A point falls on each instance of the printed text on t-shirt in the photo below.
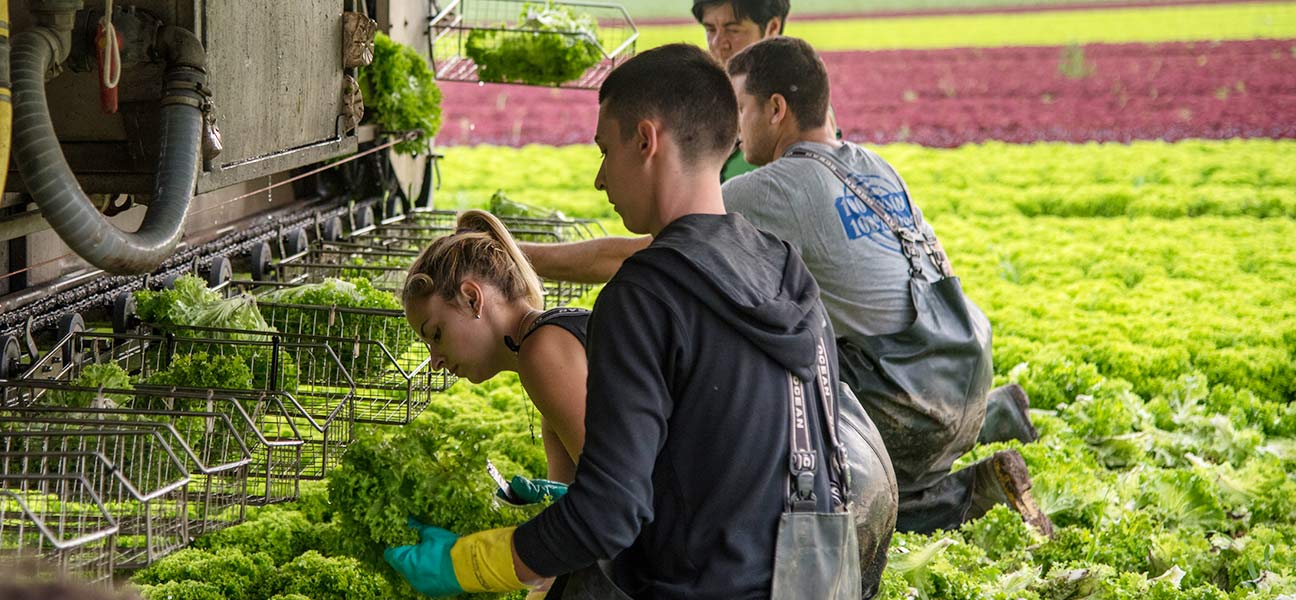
(860, 221)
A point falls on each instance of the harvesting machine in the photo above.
(145, 140)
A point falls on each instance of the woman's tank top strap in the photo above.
(574, 320)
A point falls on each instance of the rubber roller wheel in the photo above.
(10, 357)
(67, 325)
(124, 317)
(169, 281)
(295, 242)
(331, 230)
(260, 259)
(364, 216)
(220, 272)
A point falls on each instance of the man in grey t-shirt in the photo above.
(863, 277)
(864, 281)
(841, 206)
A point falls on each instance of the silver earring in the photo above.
(478, 316)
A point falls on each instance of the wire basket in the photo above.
(496, 32)
(385, 243)
(392, 370)
(389, 365)
(261, 421)
(147, 504)
(417, 229)
(217, 490)
(386, 269)
(303, 393)
(75, 534)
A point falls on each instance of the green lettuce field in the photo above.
(1142, 293)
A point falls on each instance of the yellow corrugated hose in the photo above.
(6, 95)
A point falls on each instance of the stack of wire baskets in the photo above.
(97, 479)
(108, 485)
(293, 429)
(50, 511)
(382, 253)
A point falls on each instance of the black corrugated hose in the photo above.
(54, 187)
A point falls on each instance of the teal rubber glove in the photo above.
(427, 566)
(445, 564)
(532, 491)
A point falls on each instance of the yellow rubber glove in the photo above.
(445, 564)
(483, 561)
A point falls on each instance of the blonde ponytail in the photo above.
(481, 247)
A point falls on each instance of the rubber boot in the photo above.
(1007, 416)
(1003, 479)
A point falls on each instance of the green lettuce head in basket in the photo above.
(550, 45)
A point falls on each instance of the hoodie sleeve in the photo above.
(633, 344)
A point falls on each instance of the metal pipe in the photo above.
(55, 20)
(181, 48)
(55, 189)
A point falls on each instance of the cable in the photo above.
(109, 52)
(409, 135)
(36, 265)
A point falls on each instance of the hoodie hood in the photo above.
(755, 281)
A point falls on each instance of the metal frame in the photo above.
(147, 504)
(562, 229)
(80, 541)
(317, 406)
(391, 372)
(394, 246)
(377, 346)
(217, 490)
(267, 430)
(328, 260)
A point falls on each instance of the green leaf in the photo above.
(549, 45)
(401, 94)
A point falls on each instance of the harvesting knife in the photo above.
(505, 491)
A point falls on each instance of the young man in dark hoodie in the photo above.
(684, 475)
(865, 286)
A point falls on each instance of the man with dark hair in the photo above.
(698, 348)
(915, 351)
(732, 25)
(697, 117)
(863, 273)
(779, 76)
